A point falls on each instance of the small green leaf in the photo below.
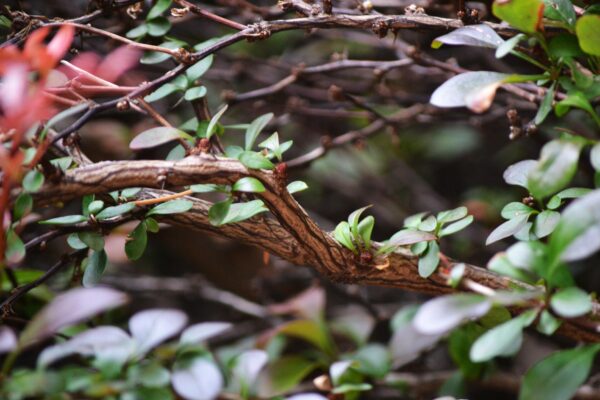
(525, 15)
(160, 7)
(255, 160)
(152, 225)
(255, 128)
(578, 100)
(239, 212)
(456, 226)
(558, 376)
(309, 331)
(296, 186)
(15, 248)
(430, 260)
(204, 188)
(95, 206)
(515, 209)
(195, 93)
(571, 302)
(199, 68)
(556, 167)
(560, 10)
(158, 26)
(62, 163)
(507, 229)
(588, 33)
(218, 212)
(365, 229)
(75, 243)
(414, 220)
(474, 90)
(456, 275)
(518, 173)
(93, 240)
(66, 220)
(451, 215)
(115, 211)
(137, 32)
(156, 136)
(545, 106)
(33, 181)
(428, 224)
(545, 223)
(353, 219)
(23, 205)
(155, 57)
(176, 206)
(210, 130)
(509, 45)
(342, 234)
(470, 35)
(547, 323)
(137, 241)
(161, 92)
(130, 192)
(502, 340)
(248, 184)
(95, 268)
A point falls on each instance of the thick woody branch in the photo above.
(293, 235)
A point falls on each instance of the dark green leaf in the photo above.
(93, 240)
(33, 181)
(545, 106)
(161, 92)
(158, 26)
(151, 225)
(560, 10)
(255, 128)
(137, 241)
(195, 93)
(160, 7)
(218, 212)
(75, 243)
(115, 211)
(558, 376)
(95, 268)
(137, 32)
(248, 184)
(15, 248)
(66, 220)
(430, 260)
(157, 136)
(200, 68)
(255, 160)
(284, 375)
(176, 206)
(23, 205)
(210, 130)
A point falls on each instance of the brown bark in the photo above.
(292, 234)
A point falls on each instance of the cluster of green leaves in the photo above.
(227, 211)
(421, 231)
(95, 212)
(155, 24)
(570, 63)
